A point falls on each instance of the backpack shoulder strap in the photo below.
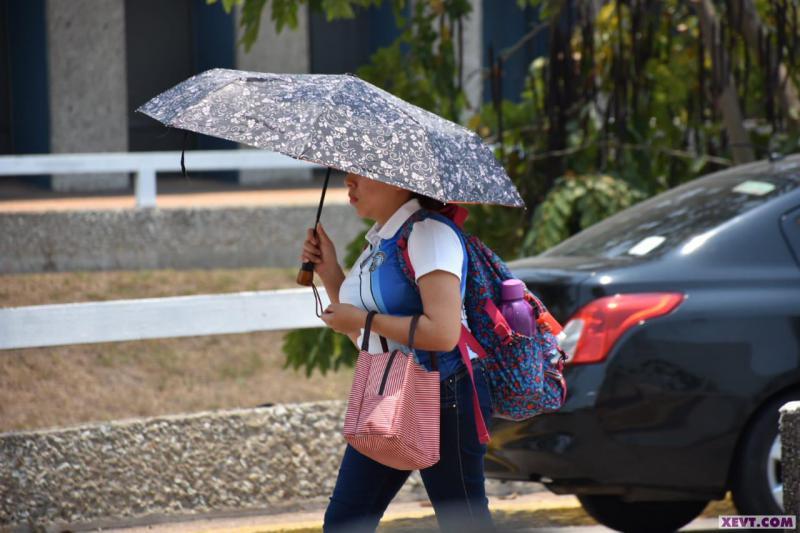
(466, 338)
(402, 245)
(405, 233)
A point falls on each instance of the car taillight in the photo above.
(592, 331)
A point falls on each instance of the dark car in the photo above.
(682, 316)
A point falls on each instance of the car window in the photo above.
(790, 225)
(680, 216)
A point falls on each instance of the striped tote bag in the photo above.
(393, 409)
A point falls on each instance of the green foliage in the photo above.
(574, 204)
(356, 246)
(622, 107)
(421, 66)
(283, 13)
(318, 348)
(644, 114)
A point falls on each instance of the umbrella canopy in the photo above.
(340, 121)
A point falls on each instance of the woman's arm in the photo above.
(439, 327)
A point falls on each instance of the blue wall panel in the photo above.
(27, 65)
(504, 24)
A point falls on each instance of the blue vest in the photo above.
(394, 295)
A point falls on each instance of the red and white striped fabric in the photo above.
(393, 410)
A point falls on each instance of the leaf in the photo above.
(698, 164)
(337, 9)
(356, 246)
(251, 21)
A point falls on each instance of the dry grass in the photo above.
(66, 287)
(61, 386)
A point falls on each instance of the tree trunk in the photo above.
(751, 22)
(727, 101)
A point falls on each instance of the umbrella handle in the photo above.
(305, 276)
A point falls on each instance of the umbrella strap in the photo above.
(183, 151)
(317, 301)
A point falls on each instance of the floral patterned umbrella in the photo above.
(340, 121)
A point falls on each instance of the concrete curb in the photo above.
(232, 459)
(259, 461)
(180, 238)
(789, 423)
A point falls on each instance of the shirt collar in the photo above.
(390, 227)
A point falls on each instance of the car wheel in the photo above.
(632, 517)
(757, 480)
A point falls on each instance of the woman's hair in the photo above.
(427, 202)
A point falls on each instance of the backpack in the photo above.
(522, 379)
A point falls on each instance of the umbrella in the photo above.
(343, 122)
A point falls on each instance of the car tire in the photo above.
(752, 483)
(633, 517)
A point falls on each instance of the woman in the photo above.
(455, 485)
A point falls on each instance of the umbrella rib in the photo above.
(194, 103)
(422, 127)
(311, 129)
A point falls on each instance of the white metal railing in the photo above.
(152, 318)
(146, 165)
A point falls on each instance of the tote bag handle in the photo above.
(367, 328)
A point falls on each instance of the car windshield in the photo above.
(665, 221)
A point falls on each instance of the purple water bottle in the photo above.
(516, 310)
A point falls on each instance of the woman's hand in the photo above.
(321, 251)
(344, 318)
(439, 326)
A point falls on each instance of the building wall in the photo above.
(166, 43)
(287, 51)
(504, 24)
(102, 59)
(24, 119)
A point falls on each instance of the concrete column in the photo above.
(473, 57)
(290, 52)
(472, 81)
(87, 84)
(789, 424)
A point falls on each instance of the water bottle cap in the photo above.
(512, 289)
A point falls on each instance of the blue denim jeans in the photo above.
(455, 485)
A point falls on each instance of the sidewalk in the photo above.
(539, 512)
(312, 520)
(167, 201)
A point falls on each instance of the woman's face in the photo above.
(373, 199)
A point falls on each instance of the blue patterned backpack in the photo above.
(523, 380)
